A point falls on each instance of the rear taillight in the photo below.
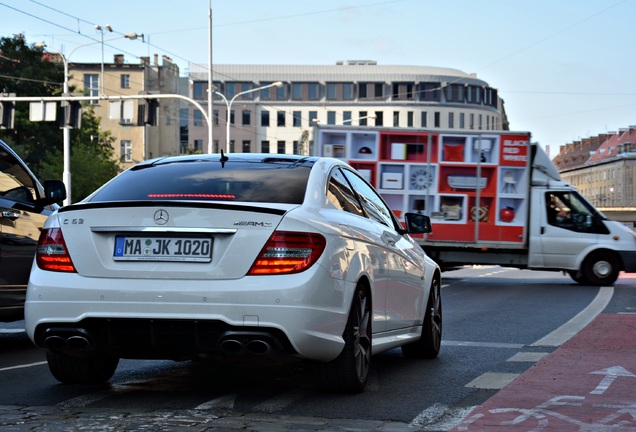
(52, 254)
(288, 252)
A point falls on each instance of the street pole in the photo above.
(210, 82)
(229, 106)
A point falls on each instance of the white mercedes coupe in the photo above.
(233, 255)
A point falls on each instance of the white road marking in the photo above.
(492, 380)
(527, 357)
(582, 319)
(22, 366)
(281, 401)
(440, 417)
(222, 402)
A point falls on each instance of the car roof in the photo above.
(242, 157)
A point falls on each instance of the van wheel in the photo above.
(600, 268)
(348, 373)
(577, 276)
(430, 342)
(96, 369)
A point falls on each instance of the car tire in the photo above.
(349, 372)
(600, 268)
(429, 344)
(96, 369)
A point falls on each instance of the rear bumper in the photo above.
(300, 316)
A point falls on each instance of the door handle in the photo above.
(10, 214)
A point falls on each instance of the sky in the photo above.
(564, 68)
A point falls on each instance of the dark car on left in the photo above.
(25, 204)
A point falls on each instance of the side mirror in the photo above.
(417, 223)
(54, 192)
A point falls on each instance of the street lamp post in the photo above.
(66, 131)
(229, 103)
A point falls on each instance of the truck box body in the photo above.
(492, 196)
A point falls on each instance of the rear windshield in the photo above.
(269, 180)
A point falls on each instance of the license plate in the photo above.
(183, 249)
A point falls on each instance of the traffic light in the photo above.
(7, 112)
(71, 114)
(147, 112)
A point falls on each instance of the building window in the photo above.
(403, 91)
(198, 145)
(451, 120)
(331, 117)
(362, 118)
(297, 91)
(396, 118)
(454, 93)
(266, 93)
(215, 117)
(198, 90)
(231, 150)
(247, 146)
(346, 117)
(280, 118)
(297, 119)
(198, 118)
(281, 147)
(379, 118)
(264, 146)
(232, 121)
(230, 90)
(409, 119)
(437, 120)
(462, 122)
(429, 92)
(126, 151)
(472, 121)
(332, 91)
(313, 118)
(424, 119)
(91, 87)
(125, 81)
(183, 125)
(246, 117)
(347, 91)
(265, 118)
(295, 147)
(216, 146)
(314, 91)
(281, 92)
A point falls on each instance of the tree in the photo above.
(27, 70)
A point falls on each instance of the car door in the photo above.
(568, 226)
(404, 292)
(21, 219)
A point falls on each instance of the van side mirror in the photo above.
(417, 223)
(54, 192)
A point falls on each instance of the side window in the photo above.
(15, 183)
(339, 193)
(372, 203)
(569, 211)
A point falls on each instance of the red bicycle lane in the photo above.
(587, 384)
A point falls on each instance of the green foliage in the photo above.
(27, 70)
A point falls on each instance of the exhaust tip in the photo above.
(231, 346)
(54, 343)
(257, 346)
(77, 342)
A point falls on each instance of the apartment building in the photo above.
(280, 119)
(133, 143)
(603, 168)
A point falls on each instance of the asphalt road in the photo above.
(493, 319)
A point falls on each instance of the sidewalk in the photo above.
(588, 384)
